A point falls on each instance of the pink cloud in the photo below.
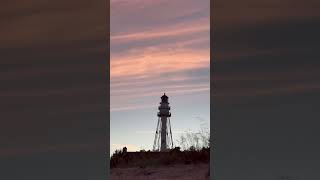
(138, 68)
(180, 30)
(159, 61)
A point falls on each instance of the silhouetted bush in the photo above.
(146, 158)
(195, 140)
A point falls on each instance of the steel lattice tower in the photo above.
(163, 137)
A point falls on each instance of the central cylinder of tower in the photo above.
(163, 134)
(164, 114)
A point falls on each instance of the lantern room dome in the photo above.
(164, 98)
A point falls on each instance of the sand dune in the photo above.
(177, 171)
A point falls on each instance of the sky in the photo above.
(54, 89)
(156, 47)
(54, 84)
(266, 89)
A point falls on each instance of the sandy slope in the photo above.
(179, 172)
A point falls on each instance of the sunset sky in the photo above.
(158, 46)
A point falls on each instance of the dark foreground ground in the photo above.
(198, 171)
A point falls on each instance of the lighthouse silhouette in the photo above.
(163, 136)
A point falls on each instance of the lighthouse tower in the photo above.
(163, 137)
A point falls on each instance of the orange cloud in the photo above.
(159, 61)
(137, 68)
(177, 31)
(169, 88)
(149, 67)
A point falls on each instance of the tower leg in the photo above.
(170, 133)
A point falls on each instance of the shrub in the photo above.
(195, 140)
(146, 158)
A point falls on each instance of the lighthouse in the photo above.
(163, 136)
